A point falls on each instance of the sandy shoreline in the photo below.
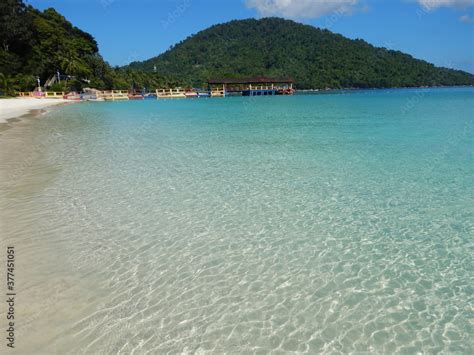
(11, 108)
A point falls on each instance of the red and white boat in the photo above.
(289, 91)
(73, 95)
(135, 95)
(191, 94)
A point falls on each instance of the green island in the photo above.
(38, 44)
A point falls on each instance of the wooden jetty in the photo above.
(170, 93)
(113, 95)
(53, 95)
(42, 94)
(256, 86)
(217, 90)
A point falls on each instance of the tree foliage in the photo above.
(314, 57)
(38, 44)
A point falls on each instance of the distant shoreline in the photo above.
(12, 108)
(389, 88)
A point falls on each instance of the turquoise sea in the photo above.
(340, 222)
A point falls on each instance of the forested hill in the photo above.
(37, 43)
(315, 58)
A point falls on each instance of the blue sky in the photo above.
(439, 31)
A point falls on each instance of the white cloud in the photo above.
(301, 8)
(466, 19)
(434, 4)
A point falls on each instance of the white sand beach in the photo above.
(10, 108)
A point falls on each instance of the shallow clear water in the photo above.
(312, 223)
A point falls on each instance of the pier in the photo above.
(113, 95)
(42, 94)
(256, 86)
(170, 93)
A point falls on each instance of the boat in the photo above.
(289, 91)
(94, 99)
(91, 95)
(191, 94)
(73, 95)
(135, 95)
(204, 94)
(149, 95)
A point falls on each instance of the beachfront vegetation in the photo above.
(37, 44)
(314, 57)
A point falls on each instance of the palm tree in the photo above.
(72, 65)
(69, 63)
(7, 84)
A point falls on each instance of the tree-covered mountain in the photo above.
(37, 43)
(314, 57)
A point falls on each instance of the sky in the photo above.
(439, 31)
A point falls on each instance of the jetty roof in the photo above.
(254, 80)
